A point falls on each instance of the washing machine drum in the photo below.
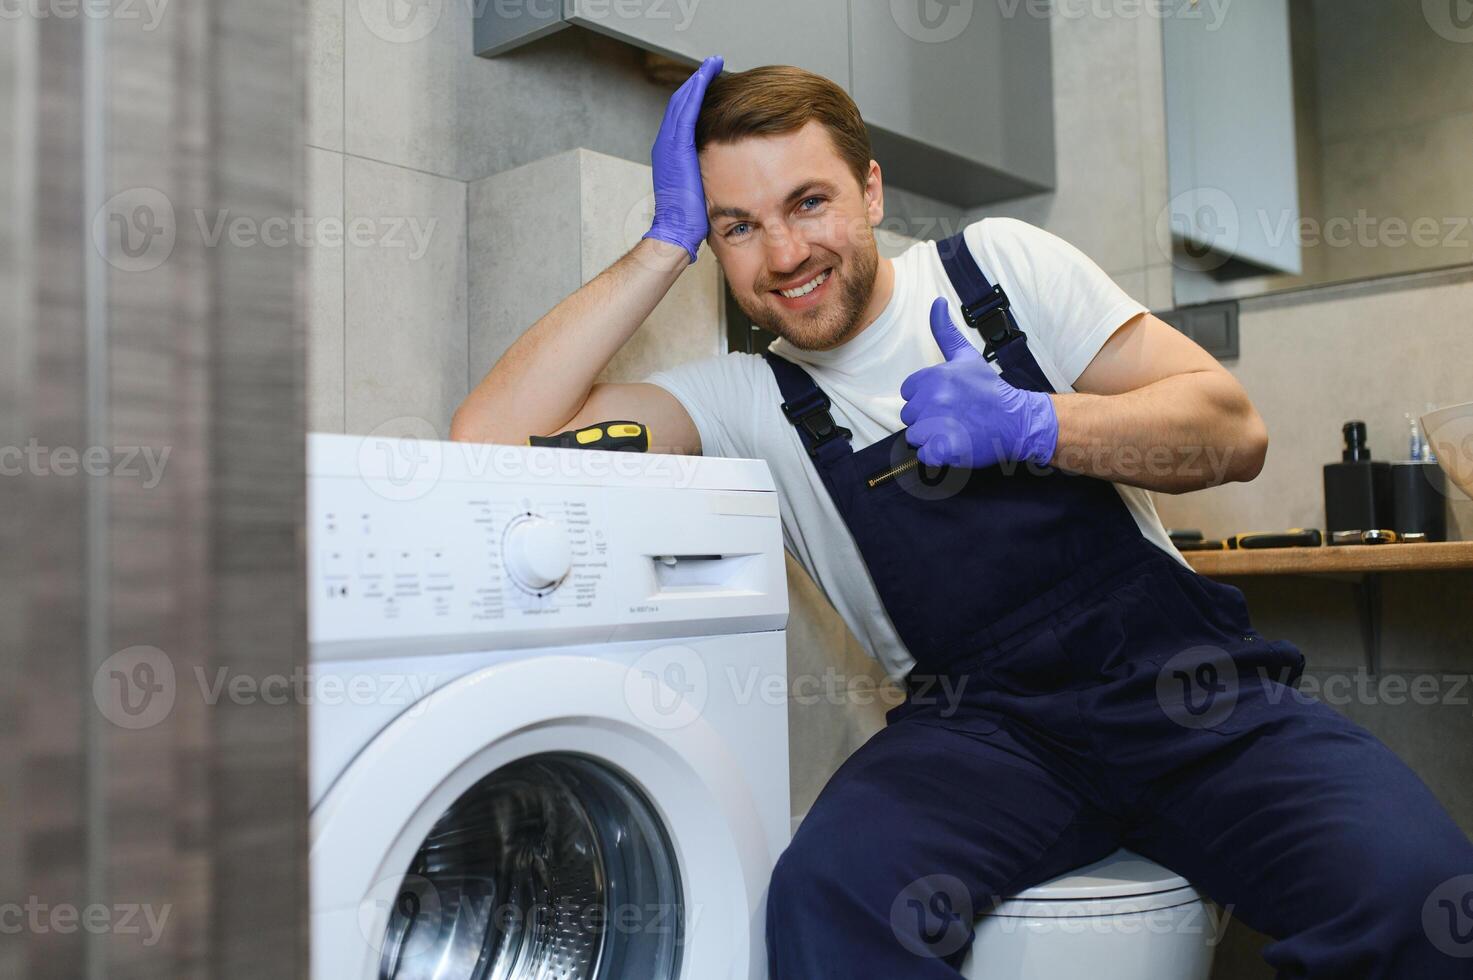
(554, 867)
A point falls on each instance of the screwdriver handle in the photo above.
(619, 435)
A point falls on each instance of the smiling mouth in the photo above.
(798, 292)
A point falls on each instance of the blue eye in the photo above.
(736, 229)
(819, 200)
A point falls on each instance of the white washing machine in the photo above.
(548, 712)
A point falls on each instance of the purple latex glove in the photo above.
(680, 200)
(962, 413)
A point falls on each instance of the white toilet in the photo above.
(1122, 918)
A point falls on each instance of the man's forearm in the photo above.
(1182, 433)
(546, 374)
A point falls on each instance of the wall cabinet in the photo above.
(1230, 139)
(960, 102)
(958, 94)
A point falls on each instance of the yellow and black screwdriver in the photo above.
(619, 435)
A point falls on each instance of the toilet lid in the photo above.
(1122, 882)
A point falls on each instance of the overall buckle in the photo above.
(989, 317)
(811, 414)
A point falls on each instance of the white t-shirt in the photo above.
(1062, 301)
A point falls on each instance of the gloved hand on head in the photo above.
(680, 200)
(962, 413)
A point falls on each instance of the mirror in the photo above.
(1318, 141)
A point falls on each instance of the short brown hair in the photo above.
(777, 99)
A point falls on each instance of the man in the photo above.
(973, 501)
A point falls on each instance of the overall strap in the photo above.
(807, 408)
(986, 309)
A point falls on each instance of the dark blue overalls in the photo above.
(1076, 690)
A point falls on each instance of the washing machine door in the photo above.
(525, 822)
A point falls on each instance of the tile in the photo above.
(402, 65)
(1099, 87)
(524, 252)
(1133, 282)
(417, 95)
(1381, 185)
(540, 231)
(325, 380)
(1424, 718)
(325, 73)
(1159, 294)
(573, 89)
(1306, 369)
(617, 208)
(1383, 65)
(405, 311)
(892, 243)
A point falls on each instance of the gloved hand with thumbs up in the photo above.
(962, 413)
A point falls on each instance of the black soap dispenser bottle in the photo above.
(1358, 488)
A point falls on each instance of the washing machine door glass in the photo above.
(554, 867)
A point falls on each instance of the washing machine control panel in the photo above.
(490, 558)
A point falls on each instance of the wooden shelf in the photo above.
(1428, 556)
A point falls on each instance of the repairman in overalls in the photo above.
(973, 500)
